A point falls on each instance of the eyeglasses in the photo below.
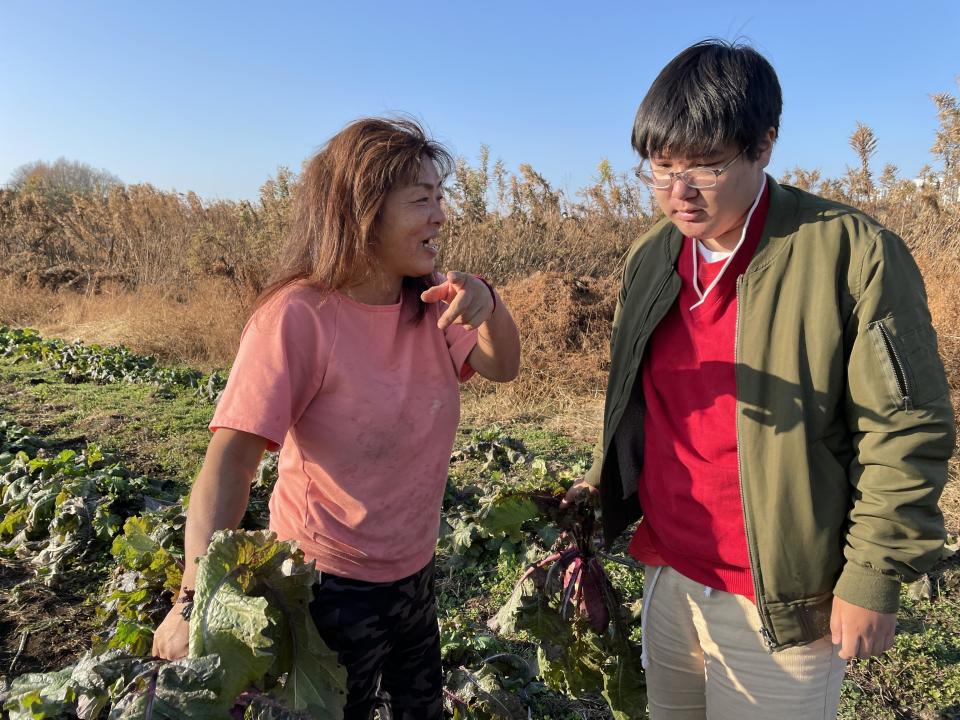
(699, 178)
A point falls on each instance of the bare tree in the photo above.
(56, 182)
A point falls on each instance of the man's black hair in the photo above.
(713, 94)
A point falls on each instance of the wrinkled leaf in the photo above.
(225, 620)
(481, 691)
(315, 681)
(920, 589)
(503, 515)
(190, 687)
(252, 606)
(577, 669)
(36, 696)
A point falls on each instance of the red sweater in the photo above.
(689, 487)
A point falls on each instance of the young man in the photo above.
(776, 411)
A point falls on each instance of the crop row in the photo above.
(78, 362)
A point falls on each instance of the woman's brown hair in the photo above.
(338, 199)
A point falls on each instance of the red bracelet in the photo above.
(493, 295)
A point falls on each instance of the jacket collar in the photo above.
(780, 225)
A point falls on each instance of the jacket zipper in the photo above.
(899, 371)
(765, 632)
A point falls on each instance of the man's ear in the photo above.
(765, 146)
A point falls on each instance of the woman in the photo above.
(350, 365)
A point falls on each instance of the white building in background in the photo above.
(936, 180)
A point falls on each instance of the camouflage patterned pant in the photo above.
(386, 636)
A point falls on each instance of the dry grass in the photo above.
(565, 333)
(942, 280)
(199, 327)
(950, 501)
(944, 299)
(564, 321)
(507, 248)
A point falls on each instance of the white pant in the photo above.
(706, 659)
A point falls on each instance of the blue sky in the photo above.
(214, 96)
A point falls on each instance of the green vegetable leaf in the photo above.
(462, 536)
(135, 548)
(252, 606)
(481, 690)
(503, 515)
(225, 619)
(190, 687)
(316, 682)
(625, 686)
(37, 696)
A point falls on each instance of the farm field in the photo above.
(100, 439)
(140, 430)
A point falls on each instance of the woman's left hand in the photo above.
(469, 299)
(472, 303)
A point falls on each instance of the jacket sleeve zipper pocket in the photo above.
(899, 371)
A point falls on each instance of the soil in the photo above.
(57, 622)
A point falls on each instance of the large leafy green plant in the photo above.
(252, 605)
(119, 686)
(254, 651)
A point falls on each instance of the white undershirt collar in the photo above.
(712, 256)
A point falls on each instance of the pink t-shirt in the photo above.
(364, 404)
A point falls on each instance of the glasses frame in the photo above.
(683, 175)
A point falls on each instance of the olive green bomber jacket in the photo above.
(844, 421)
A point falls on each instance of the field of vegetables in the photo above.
(97, 450)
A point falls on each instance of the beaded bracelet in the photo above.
(186, 599)
(493, 294)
